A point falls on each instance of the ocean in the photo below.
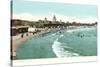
(60, 44)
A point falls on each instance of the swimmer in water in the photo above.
(59, 32)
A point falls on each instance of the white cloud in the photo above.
(23, 16)
(27, 16)
(30, 17)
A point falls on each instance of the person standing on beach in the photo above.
(22, 35)
(26, 34)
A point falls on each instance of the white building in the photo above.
(31, 29)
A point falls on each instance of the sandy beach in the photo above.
(18, 40)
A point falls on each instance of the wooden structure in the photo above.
(18, 30)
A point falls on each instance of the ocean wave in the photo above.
(59, 50)
(82, 29)
(53, 34)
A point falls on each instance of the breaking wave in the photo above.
(59, 50)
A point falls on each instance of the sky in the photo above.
(33, 10)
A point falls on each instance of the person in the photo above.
(82, 35)
(78, 34)
(33, 33)
(59, 31)
(22, 35)
(26, 34)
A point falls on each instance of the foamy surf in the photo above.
(53, 34)
(59, 51)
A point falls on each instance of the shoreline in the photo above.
(18, 40)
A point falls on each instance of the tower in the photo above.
(54, 19)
